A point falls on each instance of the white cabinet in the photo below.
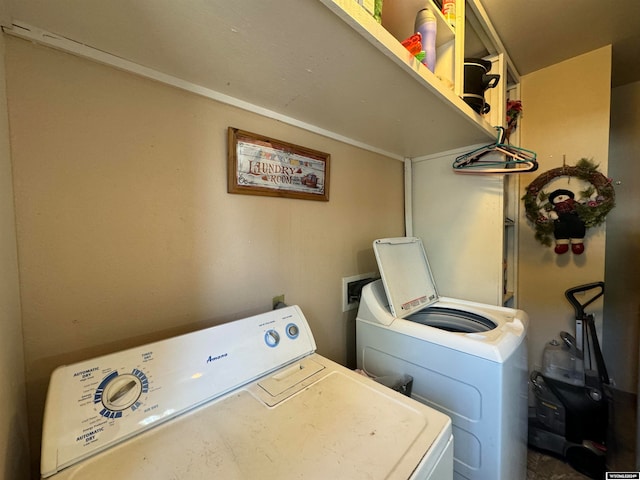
(511, 214)
(467, 224)
(460, 220)
(467, 221)
(510, 255)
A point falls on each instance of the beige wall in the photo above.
(126, 232)
(14, 459)
(565, 112)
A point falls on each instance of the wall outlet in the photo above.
(352, 305)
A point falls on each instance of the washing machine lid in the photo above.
(406, 274)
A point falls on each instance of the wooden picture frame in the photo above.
(259, 165)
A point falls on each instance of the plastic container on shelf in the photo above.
(427, 26)
(449, 11)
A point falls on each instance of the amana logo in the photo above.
(217, 357)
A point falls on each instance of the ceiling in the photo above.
(539, 33)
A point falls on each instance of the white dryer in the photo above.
(244, 400)
(467, 359)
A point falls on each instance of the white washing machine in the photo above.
(245, 400)
(467, 359)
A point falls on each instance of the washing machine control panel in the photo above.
(96, 403)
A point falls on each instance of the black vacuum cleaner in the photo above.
(572, 395)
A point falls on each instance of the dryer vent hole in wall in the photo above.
(352, 288)
(278, 302)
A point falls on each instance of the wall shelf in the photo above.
(324, 63)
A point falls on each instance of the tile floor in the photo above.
(546, 467)
(622, 446)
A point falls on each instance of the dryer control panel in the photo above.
(96, 403)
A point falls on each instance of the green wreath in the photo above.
(593, 206)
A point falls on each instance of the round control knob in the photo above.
(272, 338)
(121, 392)
(292, 330)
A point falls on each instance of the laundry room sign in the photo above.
(259, 165)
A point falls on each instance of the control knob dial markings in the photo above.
(119, 392)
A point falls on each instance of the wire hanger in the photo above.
(497, 157)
